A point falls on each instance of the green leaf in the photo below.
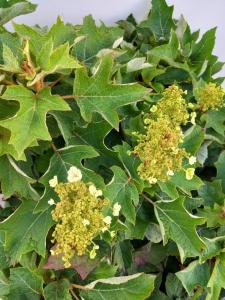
(214, 215)
(26, 231)
(29, 124)
(24, 284)
(12, 9)
(5, 147)
(174, 287)
(213, 248)
(4, 260)
(212, 192)
(217, 280)
(215, 119)
(123, 255)
(130, 163)
(122, 190)
(220, 166)
(160, 20)
(4, 285)
(178, 224)
(94, 135)
(133, 287)
(194, 275)
(58, 290)
(94, 39)
(193, 139)
(180, 181)
(14, 180)
(203, 49)
(59, 165)
(167, 52)
(97, 94)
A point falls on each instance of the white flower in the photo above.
(85, 222)
(74, 174)
(53, 182)
(51, 202)
(170, 173)
(192, 160)
(96, 247)
(107, 220)
(92, 254)
(153, 109)
(190, 172)
(152, 180)
(112, 234)
(191, 105)
(193, 117)
(104, 229)
(94, 192)
(116, 209)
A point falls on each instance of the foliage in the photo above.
(111, 160)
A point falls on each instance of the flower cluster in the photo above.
(172, 105)
(79, 216)
(210, 96)
(159, 149)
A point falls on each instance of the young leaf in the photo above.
(97, 94)
(82, 264)
(58, 290)
(29, 124)
(24, 284)
(26, 231)
(122, 190)
(178, 224)
(133, 287)
(4, 285)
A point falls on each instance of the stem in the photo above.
(55, 82)
(80, 287)
(8, 82)
(74, 295)
(39, 85)
(148, 199)
(70, 97)
(54, 148)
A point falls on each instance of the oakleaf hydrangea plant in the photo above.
(112, 160)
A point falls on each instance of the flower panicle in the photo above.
(78, 215)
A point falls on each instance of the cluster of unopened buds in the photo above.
(79, 216)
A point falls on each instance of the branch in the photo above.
(66, 97)
(148, 199)
(55, 82)
(80, 287)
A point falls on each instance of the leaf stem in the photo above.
(69, 97)
(7, 82)
(74, 295)
(52, 84)
(148, 199)
(80, 287)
